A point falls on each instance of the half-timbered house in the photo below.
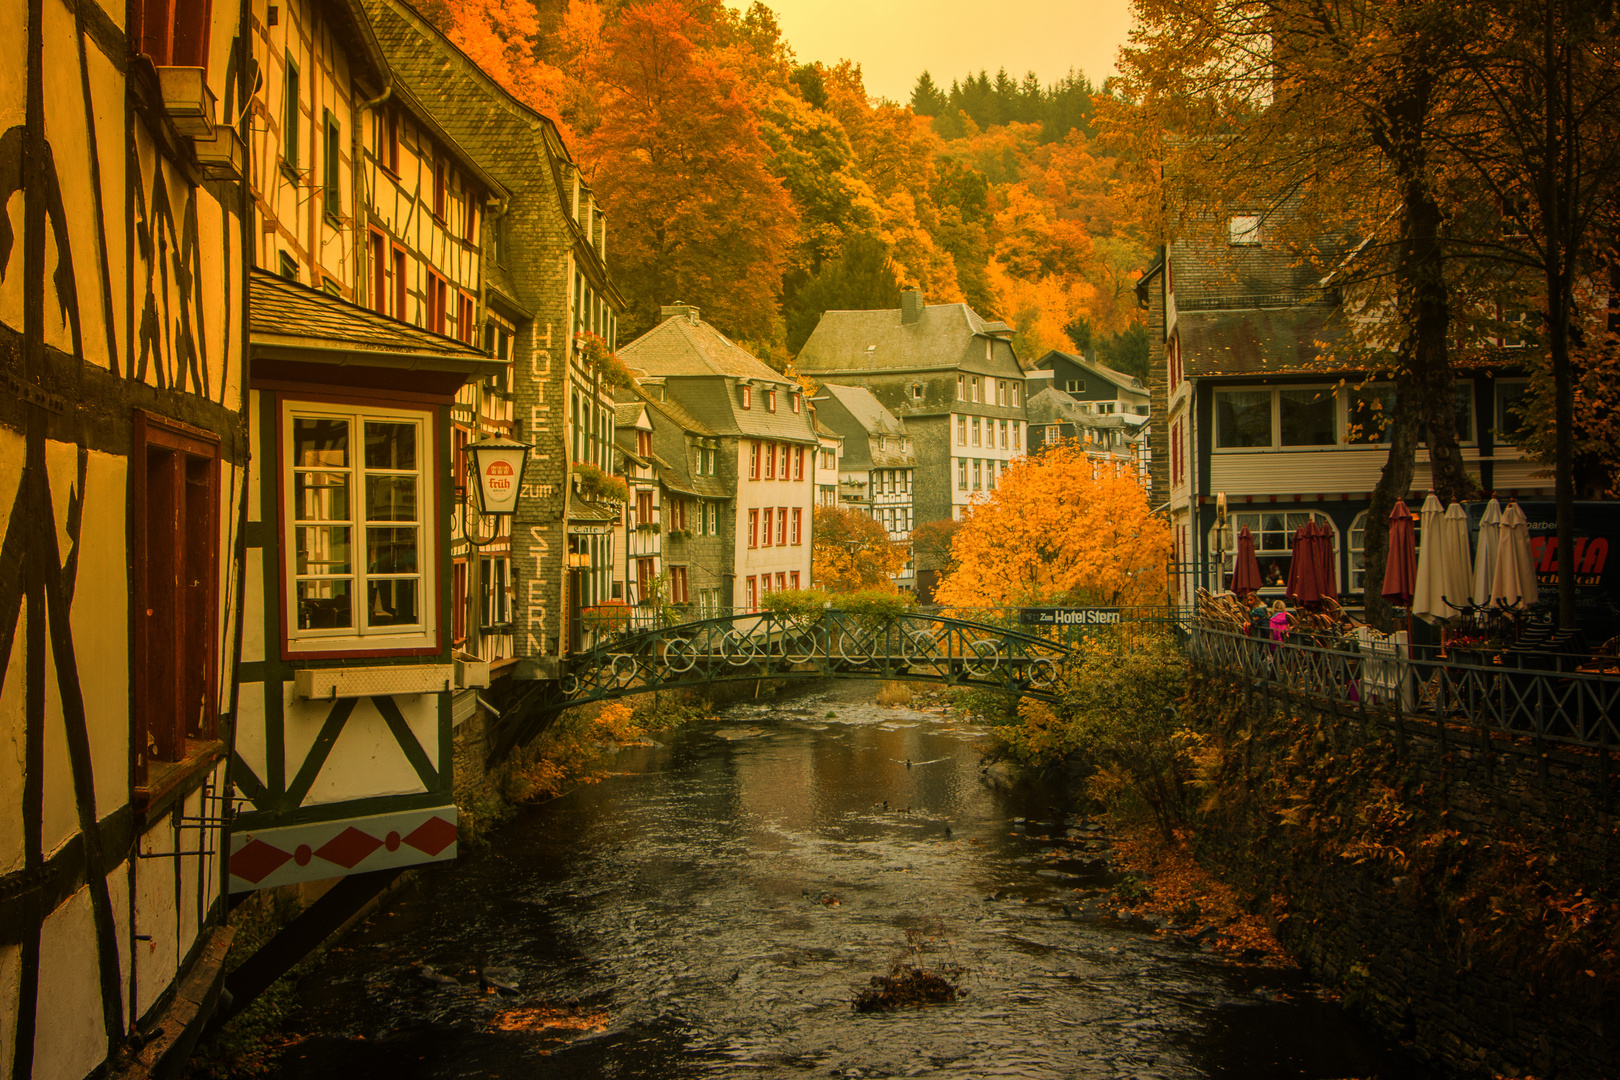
(546, 285)
(122, 481)
(343, 750)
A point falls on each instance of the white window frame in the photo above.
(1243, 230)
(421, 637)
(1254, 519)
(1276, 444)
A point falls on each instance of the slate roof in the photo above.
(944, 336)
(1056, 407)
(699, 368)
(676, 473)
(865, 409)
(682, 419)
(1118, 378)
(679, 347)
(289, 318)
(627, 413)
(1263, 341)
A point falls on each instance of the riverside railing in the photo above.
(1572, 708)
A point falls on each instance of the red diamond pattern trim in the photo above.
(349, 848)
(432, 836)
(257, 860)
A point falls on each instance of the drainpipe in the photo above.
(361, 202)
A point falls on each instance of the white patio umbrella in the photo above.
(1490, 538)
(1515, 579)
(1456, 571)
(1426, 602)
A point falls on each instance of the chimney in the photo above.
(911, 306)
(678, 308)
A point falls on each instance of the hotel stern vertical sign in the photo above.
(1072, 616)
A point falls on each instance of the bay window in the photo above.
(357, 494)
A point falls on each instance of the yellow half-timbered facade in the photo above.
(343, 754)
(123, 457)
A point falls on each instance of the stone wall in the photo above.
(1460, 891)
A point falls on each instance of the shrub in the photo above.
(894, 694)
(596, 484)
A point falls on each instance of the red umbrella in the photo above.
(1326, 579)
(1400, 568)
(1246, 570)
(1302, 569)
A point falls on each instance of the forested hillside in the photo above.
(766, 191)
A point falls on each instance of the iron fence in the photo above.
(1569, 707)
(829, 643)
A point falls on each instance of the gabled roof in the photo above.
(680, 347)
(865, 409)
(699, 369)
(944, 336)
(682, 419)
(630, 414)
(292, 321)
(1118, 378)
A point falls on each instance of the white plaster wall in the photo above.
(10, 974)
(367, 761)
(11, 690)
(253, 612)
(157, 959)
(100, 621)
(69, 1036)
(250, 735)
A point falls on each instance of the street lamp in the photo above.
(499, 465)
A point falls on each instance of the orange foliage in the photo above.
(851, 551)
(498, 36)
(1061, 527)
(681, 163)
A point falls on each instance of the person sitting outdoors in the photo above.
(1259, 615)
(1282, 621)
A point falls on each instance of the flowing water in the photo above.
(715, 906)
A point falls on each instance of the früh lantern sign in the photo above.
(498, 466)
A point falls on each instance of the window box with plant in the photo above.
(594, 484)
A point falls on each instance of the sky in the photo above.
(895, 40)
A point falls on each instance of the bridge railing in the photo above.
(762, 644)
(1573, 707)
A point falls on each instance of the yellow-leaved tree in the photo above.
(1060, 528)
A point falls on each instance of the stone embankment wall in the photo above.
(1461, 891)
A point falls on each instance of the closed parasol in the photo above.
(1327, 579)
(1400, 568)
(1426, 603)
(1456, 566)
(1246, 569)
(1303, 568)
(1490, 539)
(1515, 580)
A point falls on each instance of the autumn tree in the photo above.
(680, 163)
(852, 551)
(1060, 527)
(1335, 120)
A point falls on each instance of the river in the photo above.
(716, 904)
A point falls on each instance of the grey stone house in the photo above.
(948, 374)
(766, 447)
(1100, 388)
(696, 494)
(545, 286)
(1120, 437)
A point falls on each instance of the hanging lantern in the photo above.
(499, 465)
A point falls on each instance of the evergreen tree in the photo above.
(861, 278)
(926, 98)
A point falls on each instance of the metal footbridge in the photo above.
(766, 645)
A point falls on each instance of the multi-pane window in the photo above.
(1273, 533)
(289, 116)
(678, 593)
(770, 400)
(753, 461)
(798, 463)
(753, 528)
(1018, 435)
(977, 435)
(781, 525)
(1015, 392)
(175, 525)
(1370, 410)
(798, 525)
(793, 579)
(961, 473)
(765, 532)
(978, 470)
(770, 461)
(961, 431)
(438, 300)
(359, 544)
(747, 396)
(961, 394)
(712, 512)
(497, 579)
(1242, 418)
(1004, 434)
(331, 166)
(753, 594)
(466, 326)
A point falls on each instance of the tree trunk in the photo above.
(1394, 481)
(1556, 185)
